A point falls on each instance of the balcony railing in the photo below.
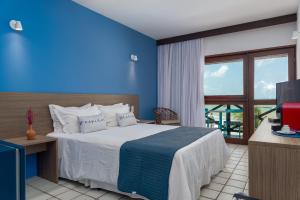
(229, 118)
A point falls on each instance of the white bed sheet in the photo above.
(93, 158)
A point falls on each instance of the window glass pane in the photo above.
(263, 111)
(228, 118)
(267, 72)
(224, 78)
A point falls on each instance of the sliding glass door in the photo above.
(225, 80)
(240, 89)
(266, 68)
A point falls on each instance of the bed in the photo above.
(93, 159)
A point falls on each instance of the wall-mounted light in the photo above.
(16, 25)
(133, 58)
(296, 35)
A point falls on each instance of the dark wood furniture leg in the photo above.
(47, 161)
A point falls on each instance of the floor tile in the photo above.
(203, 198)
(69, 195)
(71, 184)
(228, 170)
(236, 183)
(215, 186)
(31, 192)
(56, 190)
(224, 196)
(232, 145)
(37, 182)
(242, 168)
(209, 193)
(232, 166)
(239, 156)
(44, 185)
(62, 181)
(224, 175)
(29, 189)
(240, 172)
(219, 180)
(243, 164)
(238, 152)
(82, 189)
(110, 196)
(95, 193)
(231, 190)
(232, 162)
(83, 197)
(239, 177)
(33, 179)
(126, 198)
(234, 158)
(37, 195)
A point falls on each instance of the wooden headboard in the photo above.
(13, 107)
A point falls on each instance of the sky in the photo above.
(227, 78)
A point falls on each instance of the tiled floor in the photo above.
(234, 178)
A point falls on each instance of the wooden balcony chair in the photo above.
(166, 116)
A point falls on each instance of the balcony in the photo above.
(230, 118)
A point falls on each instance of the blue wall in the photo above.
(69, 49)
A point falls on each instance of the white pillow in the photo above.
(110, 112)
(58, 127)
(69, 118)
(93, 123)
(126, 119)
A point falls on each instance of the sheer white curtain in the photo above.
(180, 80)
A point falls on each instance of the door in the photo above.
(240, 89)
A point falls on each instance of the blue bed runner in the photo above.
(145, 163)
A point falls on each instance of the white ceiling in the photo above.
(166, 18)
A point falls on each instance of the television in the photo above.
(288, 92)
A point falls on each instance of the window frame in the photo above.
(291, 76)
(226, 59)
(220, 59)
(247, 99)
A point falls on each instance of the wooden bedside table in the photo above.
(46, 150)
(142, 121)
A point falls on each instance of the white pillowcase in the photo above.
(126, 119)
(93, 123)
(70, 121)
(57, 125)
(110, 112)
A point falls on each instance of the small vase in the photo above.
(30, 133)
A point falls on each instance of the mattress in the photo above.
(93, 159)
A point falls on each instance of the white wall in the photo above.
(279, 35)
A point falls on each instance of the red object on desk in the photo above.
(290, 115)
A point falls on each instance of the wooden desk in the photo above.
(274, 165)
(46, 150)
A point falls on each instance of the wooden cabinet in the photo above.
(274, 165)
